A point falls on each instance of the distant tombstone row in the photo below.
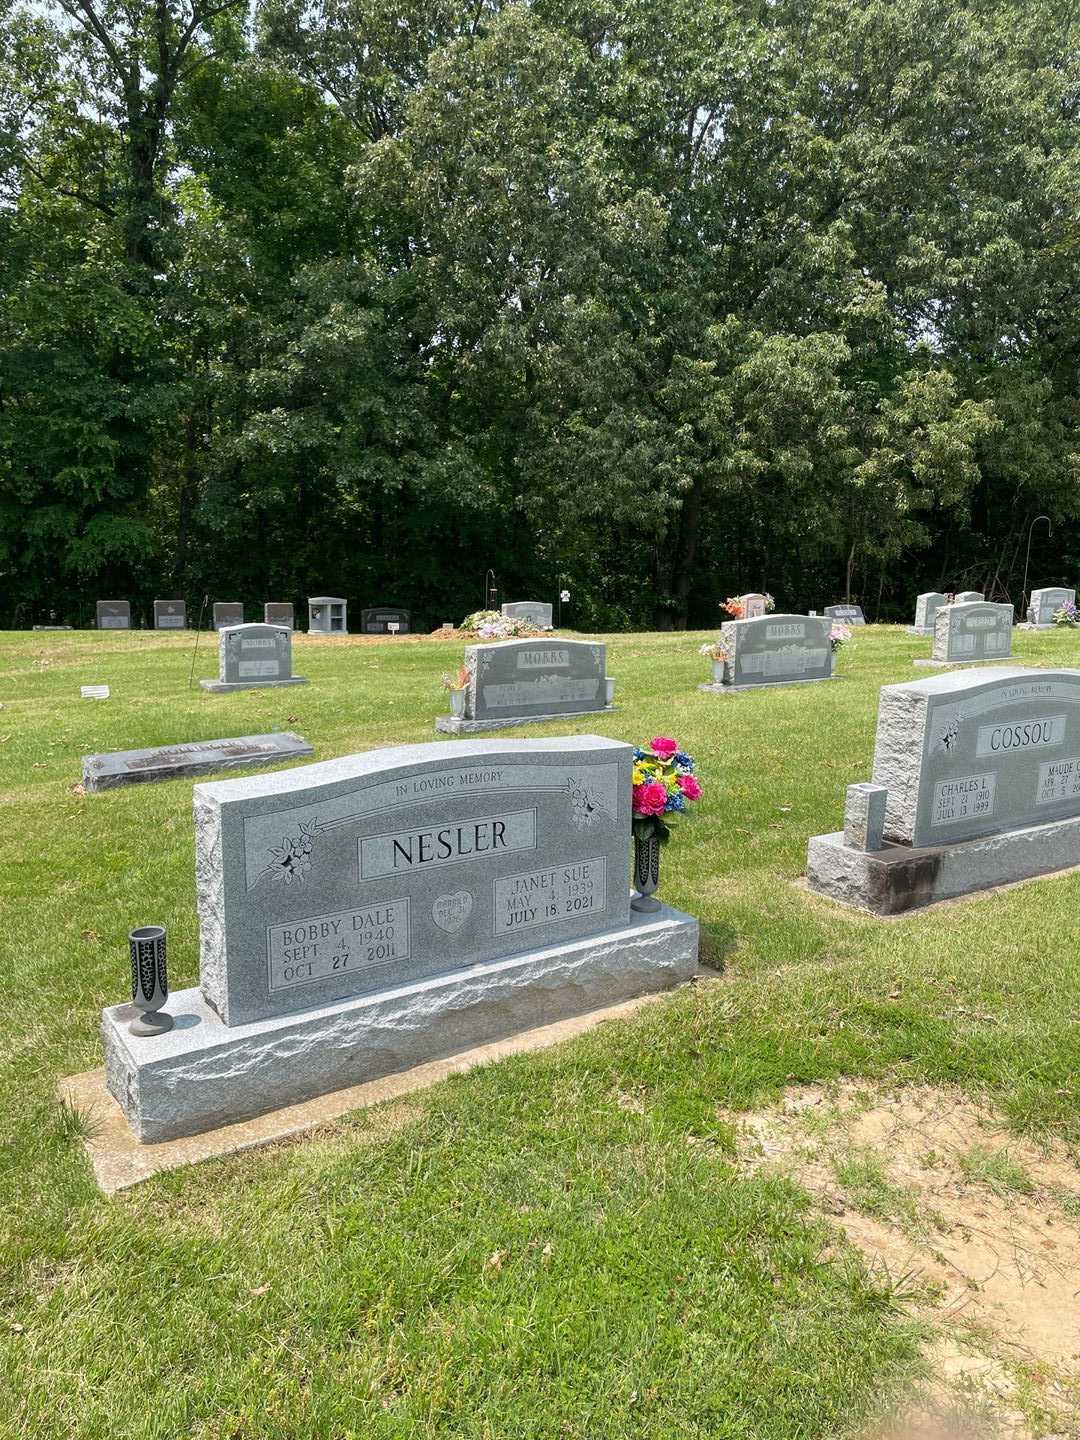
(172, 614)
(1046, 603)
(976, 783)
(773, 650)
(846, 614)
(970, 631)
(532, 612)
(252, 657)
(514, 682)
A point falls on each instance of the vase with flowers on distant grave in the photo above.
(664, 784)
(457, 686)
(717, 652)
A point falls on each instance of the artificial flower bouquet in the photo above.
(494, 625)
(460, 681)
(1067, 615)
(664, 784)
(839, 636)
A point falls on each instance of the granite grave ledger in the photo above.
(116, 768)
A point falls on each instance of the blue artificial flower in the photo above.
(681, 758)
(675, 801)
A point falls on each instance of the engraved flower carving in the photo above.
(585, 806)
(291, 860)
(950, 734)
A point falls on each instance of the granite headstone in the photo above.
(927, 606)
(968, 597)
(170, 615)
(533, 612)
(754, 605)
(278, 613)
(1045, 604)
(971, 631)
(775, 650)
(513, 682)
(384, 620)
(227, 612)
(113, 615)
(845, 614)
(253, 656)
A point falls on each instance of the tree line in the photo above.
(653, 300)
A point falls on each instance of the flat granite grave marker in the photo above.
(514, 682)
(174, 762)
(113, 615)
(774, 650)
(328, 615)
(533, 612)
(227, 612)
(927, 606)
(365, 914)
(278, 613)
(982, 777)
(253, 656)
(970, 631)
(384, 620)
(170, 615)
(846, 614)
(1045, 604)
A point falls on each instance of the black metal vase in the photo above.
(646, 874)
(149, 980)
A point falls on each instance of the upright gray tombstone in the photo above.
(753, 605)
(253, 656)
(968, 597)
(845, 614)
(366, 914)
(775, 650)
(982, 774)
(514, 682)
(113, 615)
(927, 606)
(170, 615)
(327, 615)
(226, 613)
(278, 613)
(384, 620)
(968, 632)
(533, 612)
(1045, 604)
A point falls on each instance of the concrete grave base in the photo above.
(958, 664)
(218, 687)
(901, 877)
(203, 1073)
(452, 725)
(119, 1160)
(766, 685)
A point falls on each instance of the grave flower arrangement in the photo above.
(460, 681)
(664, 784)
(1067, 615)
(839, 636)
(493, 625)
(734, 606)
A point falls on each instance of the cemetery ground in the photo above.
(836, 1180)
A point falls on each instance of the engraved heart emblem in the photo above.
(451, 911)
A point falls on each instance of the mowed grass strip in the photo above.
(559, 1245)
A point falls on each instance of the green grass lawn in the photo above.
(514, 1253)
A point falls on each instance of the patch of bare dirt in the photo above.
(980, 1227)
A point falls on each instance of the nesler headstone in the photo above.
(384, 620)
(533, 612)
(278, 613)
(174, 762)
(846, 614)
(114, 615)
(363, 915)
(253, 656)
(227, 612)
(981, 771)
(170, 615)
(927, 606)
(968, 632)
(1045, 604)
(513, 682)
(775, 650)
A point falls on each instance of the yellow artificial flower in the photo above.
(639, 775)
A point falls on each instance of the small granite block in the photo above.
(864, 816)
(203, 1073)
(175, 762)
(902, 877)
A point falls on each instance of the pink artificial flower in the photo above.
(662, 747)
(650, 799)
(690, 787)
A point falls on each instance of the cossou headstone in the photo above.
(968, 597)
(532, 612)
(927, 606)
(513, 682)
(982, 774)
(365, 914)
(199, 757)
(278, 613)
(967, 632)
(1045, 604)
(384, 620)
(227, 612)
(253, 656)
(775, 650)
(113, 615)
(327, 615)
(170, 615)
(846, 614)
(753, 605)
